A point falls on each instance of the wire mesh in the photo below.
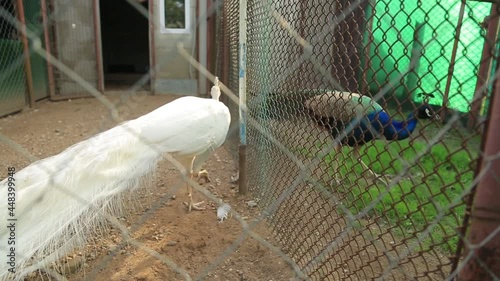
(12, 78)
(63, 261)
(341, 222)
(342, 207)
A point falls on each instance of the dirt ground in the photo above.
(196, 242)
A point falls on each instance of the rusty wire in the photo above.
(333, 224)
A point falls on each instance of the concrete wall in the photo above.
(174, 75)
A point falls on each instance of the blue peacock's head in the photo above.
(425, 111)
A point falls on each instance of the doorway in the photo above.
(125, 44)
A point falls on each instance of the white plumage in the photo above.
(223, 212)
(61, 198)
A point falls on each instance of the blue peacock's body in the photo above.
(353, 119)
(357, 119)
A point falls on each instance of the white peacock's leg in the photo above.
(195, 170)
(198, 162)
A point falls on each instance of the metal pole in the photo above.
(50, 70)
(152, 47)
(242, 89)
(98, 45)
(26, 52)
(202, 45)
(211, 31)
(485, 216)
(225, 44)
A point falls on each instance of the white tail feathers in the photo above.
(215, 92)
(62, 198)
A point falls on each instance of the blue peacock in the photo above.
(353, 120)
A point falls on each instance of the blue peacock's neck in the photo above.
(391, 129)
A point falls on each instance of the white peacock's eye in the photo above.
(428, 112)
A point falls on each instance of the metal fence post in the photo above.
(243, 188)
(98, 45)
(26, 51)
(152, 46)
(485, 216)
(46, 36)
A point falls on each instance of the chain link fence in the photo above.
(66, 41)
(227, 62)
(341, 207)
(12, 79)
(334, 218)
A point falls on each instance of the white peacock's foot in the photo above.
(194, 206)
(203, 174)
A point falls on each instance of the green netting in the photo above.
(393, 31)
(12, 76)
(33, 18)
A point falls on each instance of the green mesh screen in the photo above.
(393, 32)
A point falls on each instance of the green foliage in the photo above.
(175, 16)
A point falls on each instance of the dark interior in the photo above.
(125, 43)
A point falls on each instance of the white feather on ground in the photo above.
(223, 212)
(61, 198)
